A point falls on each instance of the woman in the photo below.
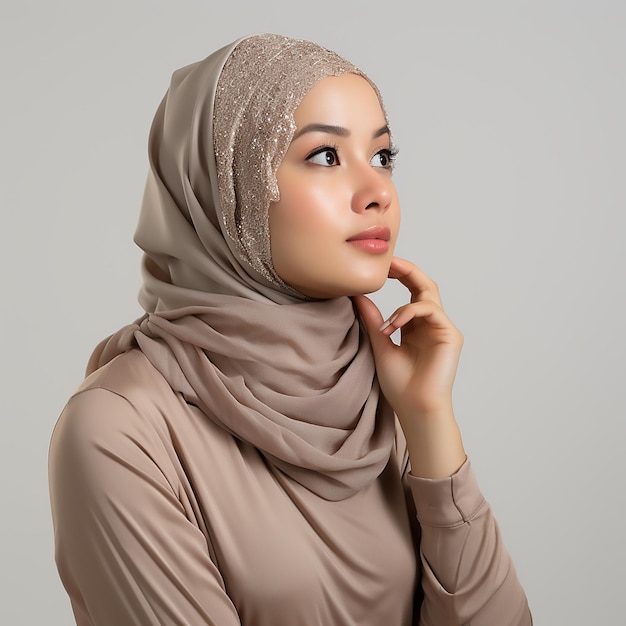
(230, 459)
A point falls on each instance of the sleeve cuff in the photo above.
(450, 501)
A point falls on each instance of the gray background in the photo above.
(509, 117)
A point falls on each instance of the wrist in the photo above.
(434, 443)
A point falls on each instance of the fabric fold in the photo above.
(292, 376)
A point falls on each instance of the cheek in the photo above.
(396, 216)
(303, 212)
(305, 227)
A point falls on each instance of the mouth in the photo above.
(375, 239)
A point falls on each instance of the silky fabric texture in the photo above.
(293, 377)
(162, 517)
(229, 459)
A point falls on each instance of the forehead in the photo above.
(346, 98)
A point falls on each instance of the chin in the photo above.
(322, 287)
(373, 281)
(356, 288)
(370, 288)
(367, 285)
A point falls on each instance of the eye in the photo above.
(325, 156)
(384, 158)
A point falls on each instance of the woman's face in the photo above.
(334, 229)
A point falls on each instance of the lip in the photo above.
(374, 232)
(374, 240)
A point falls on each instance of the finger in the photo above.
(373, 320)
(421, 286)
(429, 311)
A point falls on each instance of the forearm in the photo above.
(434, 443)
(467, 573)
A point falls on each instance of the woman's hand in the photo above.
(417, 376)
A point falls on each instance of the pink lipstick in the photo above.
(374, 240)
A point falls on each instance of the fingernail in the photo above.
(388, 323)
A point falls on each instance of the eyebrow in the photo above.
(340, 131)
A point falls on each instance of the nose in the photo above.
(373, 190)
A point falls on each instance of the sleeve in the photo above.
(125, 549)
(468, 576)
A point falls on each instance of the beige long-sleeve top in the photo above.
(162, 517)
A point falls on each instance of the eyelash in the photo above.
(321, 150)
(390, 153)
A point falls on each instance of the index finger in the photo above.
(421, 286)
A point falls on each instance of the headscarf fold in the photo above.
(291, 376)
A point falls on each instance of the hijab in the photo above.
(291, 376)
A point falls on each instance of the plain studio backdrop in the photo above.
(510, 121)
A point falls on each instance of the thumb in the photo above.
(372, 319)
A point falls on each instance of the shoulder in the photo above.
(123, 392)
(131, 376)
(125, 418)
(118, 412)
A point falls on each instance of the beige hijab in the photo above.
(291, 376)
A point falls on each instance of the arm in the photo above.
(126, 551)
(468, 576)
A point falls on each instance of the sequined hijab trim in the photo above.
(292, 377)
(261, 85)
